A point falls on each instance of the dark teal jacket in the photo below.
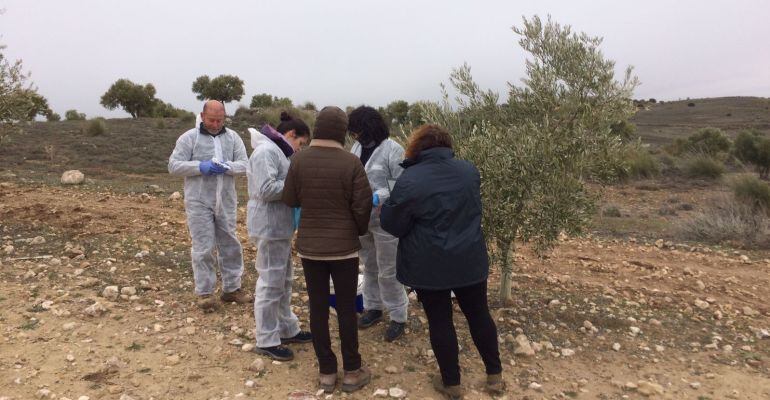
(435, 211)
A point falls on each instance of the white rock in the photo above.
(43, 393)
(175, 196)
(524, 347)
(68, 326)
(649, 388)
(144, 198)
(616, 346)
(396, 393)
(250, 383)
(125, 397)
(701, 304)
(635, 330)
(567, 352)
(695, 385)
(54, 262)
(72, 177)
(110, 293)
(95, 309)
(535, 386)
(70, 358)
(380, 393)
(258, 365)
(750, 312)
(173, 359)
(8, 249)
(247, 347)
(391, 369)
(128, 290)
(84, 398)
(659, 348)
(37, 240)
(46, 305)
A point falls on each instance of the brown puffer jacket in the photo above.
(330, 185)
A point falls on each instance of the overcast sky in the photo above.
(370, 52)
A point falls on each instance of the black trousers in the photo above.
(443, 338)
(344, 274)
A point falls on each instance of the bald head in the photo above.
(213, 116)
(213, 106)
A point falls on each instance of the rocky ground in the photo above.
(96, 303)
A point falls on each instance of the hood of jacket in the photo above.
(269, 133)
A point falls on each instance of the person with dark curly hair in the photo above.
(380, 156)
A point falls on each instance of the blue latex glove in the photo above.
(209, 167)
(297, 211)
(376, 199)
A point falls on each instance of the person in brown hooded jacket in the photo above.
(331, 186)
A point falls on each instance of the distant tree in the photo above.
(53, 117)
(74, 115)
(398, 111)
(690, 104)
(652, 100)
(282, 102)
(161, 109)
(309, 106)
(225, 88)
(262, 100)
(39, 106)
(135, 99)
(416, 112)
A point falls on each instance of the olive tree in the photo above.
(19, 100)
(137, 100)
(225, 88)
(537, 151)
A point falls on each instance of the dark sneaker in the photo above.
(278, 353)
(495, 384)
(327, 382)
(369, 318)
(394, 331)
(238, 296)
(301, 337)
(454, 392)
(354, 380)
(207, 303)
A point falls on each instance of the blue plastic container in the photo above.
(359, 295)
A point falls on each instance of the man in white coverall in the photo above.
(208, 157)
(381, 157)
(271, 227)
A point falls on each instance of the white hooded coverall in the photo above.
(378, 248)
(271, 227)
(210, 203)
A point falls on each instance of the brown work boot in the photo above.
(207, 303)
(354, 380)
(454, 392)
(327, 382)
(495, 384)
(238, 296)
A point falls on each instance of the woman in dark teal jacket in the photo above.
(435, 211)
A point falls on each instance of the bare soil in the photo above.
(159, 345)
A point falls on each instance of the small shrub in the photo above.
(685, 207)
(690, 104)
(96, 127)
(187, 119)
(53, 117)
(752, 191)
(160, 124)
(611, 212)
(642, 165)
(727, 221)
(703, 167)
(74, 115)
(667, 211)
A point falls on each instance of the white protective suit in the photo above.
(271, 227)
(210, 203)
(378, 248)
